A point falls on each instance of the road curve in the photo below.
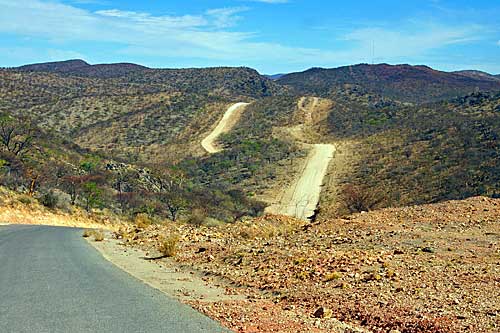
(301, 199)
(227, 122)
(52, 280)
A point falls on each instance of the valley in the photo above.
(324, 200)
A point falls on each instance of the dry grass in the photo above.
(168, 246)
(17, 209)
(98, 236)
(142, 221)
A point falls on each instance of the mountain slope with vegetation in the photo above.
(156, 118)
(126, 109)
(418, 154)
(478, 75)
(414, 84)
(145, 126)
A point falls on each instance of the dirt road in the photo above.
(227, 122)
(302, 197)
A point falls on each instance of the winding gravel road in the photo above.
(52, 280)
(227, 122)
(301, 199)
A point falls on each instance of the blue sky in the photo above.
(272, 36)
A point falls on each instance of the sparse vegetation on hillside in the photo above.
(429, 153)
(253, 156)
(415, 84)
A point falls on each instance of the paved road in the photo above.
(227, 122)
(52, 280)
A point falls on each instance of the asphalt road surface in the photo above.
(52, 280)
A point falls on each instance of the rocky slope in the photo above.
(430, 268)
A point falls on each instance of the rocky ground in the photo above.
(431, 268)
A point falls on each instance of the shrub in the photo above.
(142, 220)
(55, 198)
(26, 200)
(98, 236)
(197, 217)
(49, 200)
(358, 198)
(87, 233)
(168, 246)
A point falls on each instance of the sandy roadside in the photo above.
(164, 274)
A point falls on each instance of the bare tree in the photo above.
(170, 192)
(16, 136)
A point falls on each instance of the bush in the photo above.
(98, 236)
(55, 198)
(358, 198)
(168, 246)
(26, 200)
(142, 220)
(197, 217)
(49, 200)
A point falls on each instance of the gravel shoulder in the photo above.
(163, 274)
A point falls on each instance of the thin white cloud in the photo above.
(418, 40)
(186, 21)
(225, 17)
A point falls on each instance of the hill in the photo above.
(478, 75)
(405, 155)
(129, 109)
(228, 81)
(414, 84)
(156, 119)
(55, 67)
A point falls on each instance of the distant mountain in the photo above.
(415, 84)
(226, 81)
(275, 76)
(55, 67)
(478, 75)
(82, 68)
